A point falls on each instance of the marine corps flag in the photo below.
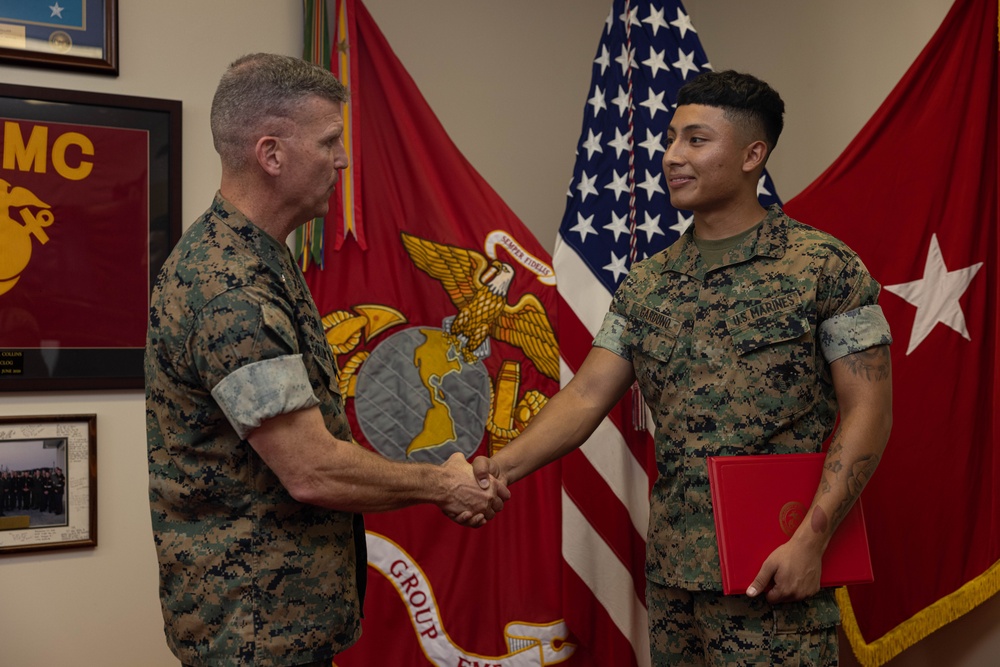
(444, 335)
(915, 194)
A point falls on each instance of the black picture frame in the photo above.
(81, 36)
(59, 511)
(152, 128)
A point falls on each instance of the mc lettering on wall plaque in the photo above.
(89, 209)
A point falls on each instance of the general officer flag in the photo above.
(915, 194)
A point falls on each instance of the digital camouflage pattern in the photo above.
(709, 628)
(837, 334)
(248, 576)
(264, 389)
(730, 362)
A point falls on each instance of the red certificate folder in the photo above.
(758, 502)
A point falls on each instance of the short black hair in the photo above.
(747, 101)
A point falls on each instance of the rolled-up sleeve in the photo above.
(246, 353)
(610, 335)
(853, 331)
(259, 391)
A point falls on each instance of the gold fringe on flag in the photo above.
(921, 624)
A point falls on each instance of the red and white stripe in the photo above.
(605, 495)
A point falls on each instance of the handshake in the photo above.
(474, 493)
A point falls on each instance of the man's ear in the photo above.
(755, 156)
(269, 155)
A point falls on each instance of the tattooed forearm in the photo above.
(861, 472)
(832, 465)
(819, 522)
(872, 364)
(833, 462)
(863, 383)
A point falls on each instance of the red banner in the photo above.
(915, 194)
(74, 235)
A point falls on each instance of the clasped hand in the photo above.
(790, 573)
(471, 501)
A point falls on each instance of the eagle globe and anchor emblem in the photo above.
(424, 393)
(418, 388)
(16, 237)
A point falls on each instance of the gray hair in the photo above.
(256, 92)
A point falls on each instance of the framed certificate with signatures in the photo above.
(48, 482)
(89, 210)
(66, 34)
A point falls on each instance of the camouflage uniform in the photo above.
(709, 628)
(735, 360)
(248, 576)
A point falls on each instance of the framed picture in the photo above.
(90, 201)
(68, 34)
(48, 482)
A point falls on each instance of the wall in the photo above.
(512, 96)
(509, 81)
(100, 606)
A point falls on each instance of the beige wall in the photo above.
(512, 96)
(99, 607)
(509, 81)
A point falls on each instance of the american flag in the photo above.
(618, 212)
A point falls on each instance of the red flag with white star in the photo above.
(915, 194)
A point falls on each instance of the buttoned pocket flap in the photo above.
(770, 329)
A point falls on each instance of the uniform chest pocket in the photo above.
(332, 404)
(776, 355)
(324, 375)
(328, 374)
(652, 347)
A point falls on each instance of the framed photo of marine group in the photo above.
(90, 207)
(48, 482)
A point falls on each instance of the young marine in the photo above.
(748, 335)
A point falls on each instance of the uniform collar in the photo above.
(262, 244)
(771, 240)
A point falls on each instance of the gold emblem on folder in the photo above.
(791, 516)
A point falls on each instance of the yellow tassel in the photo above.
(921, 624)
